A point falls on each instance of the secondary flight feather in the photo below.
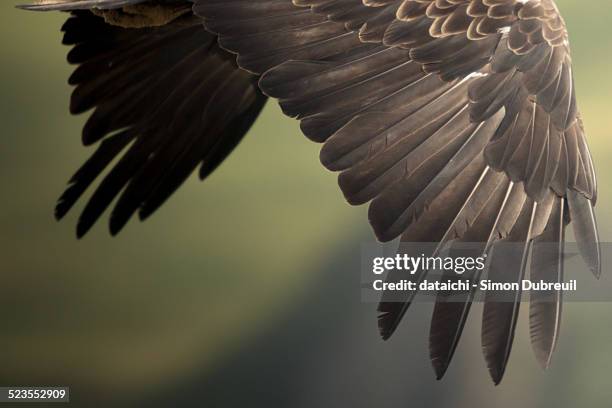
(456, 120)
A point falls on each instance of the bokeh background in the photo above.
(243, 289)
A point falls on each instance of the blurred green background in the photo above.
(243, 289)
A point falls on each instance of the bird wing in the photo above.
(163, 101)
(455, 119)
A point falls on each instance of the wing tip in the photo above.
(544, 360)
(82, 228)
(497, 373)
(440, 367)
(385, 330)
(60, 211)
(584, 223)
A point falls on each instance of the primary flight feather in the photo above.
(455, 119)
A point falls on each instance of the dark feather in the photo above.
(507, 265)
(585, 230)
(474, 224)
(547, 265)
(53, 5)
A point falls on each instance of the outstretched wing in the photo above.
(455, 119)
(164, 101)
